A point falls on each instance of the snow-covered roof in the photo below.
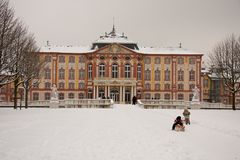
(168, 50)
(66, 49)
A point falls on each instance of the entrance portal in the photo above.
(114, 94)
(128, 96)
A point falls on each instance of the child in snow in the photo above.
(178, 124)
(186, 115)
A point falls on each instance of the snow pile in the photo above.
(121, 133)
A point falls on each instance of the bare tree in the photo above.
(226, 60)
(8, 29)
(31, 67)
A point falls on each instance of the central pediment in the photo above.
(114, 49)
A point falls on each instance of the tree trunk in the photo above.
(26, 98)
(233, 101)
(15, 93)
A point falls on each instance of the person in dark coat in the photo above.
(178, 121)
(134, 100)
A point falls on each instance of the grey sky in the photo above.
(197, 24)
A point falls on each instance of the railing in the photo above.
(68, 103)
(160, 103)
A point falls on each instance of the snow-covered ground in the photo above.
(121, 133)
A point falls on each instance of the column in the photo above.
(109, 91)
(105, 94)
(97, 92)
(121, 94)
(94, 95)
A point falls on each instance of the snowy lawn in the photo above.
(121, 133)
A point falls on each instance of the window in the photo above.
(127, 71)
(157, 96)
(167, 75)
(205, 83)
(191, 86)
(127, 58)
(147, 75)
(101, 70)
(147, 96)
(81, 96)
(192, 75)
(35, 96)
(157, 60)
(167, 86)
(61, 73)
(180, 60)
(81, 85)
(192, 60)
(71, 85)
(47, 74)
(81, 74)
(114, 70)
(101, 93)
(36, 85)
(48, 58)
(71, 74)
(147, 60)
(167, 60)
(61, 59)
(81, 59)
(89, 94)
(61, 96)
(180, 96)
(61, 85)
(139, 72)
(47, 85)
(190, 97)
(147, 86)
(157, 87)
(180, 86)
(90, 71)
(167, 96)
(71, 59)
(157, 75)
(47, 96)
(180, 75)
(71, 95)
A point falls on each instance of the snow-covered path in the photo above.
(121, 133)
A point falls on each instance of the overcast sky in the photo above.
(197, 24)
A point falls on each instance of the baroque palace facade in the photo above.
(115, 67)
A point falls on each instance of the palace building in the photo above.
(115, 67)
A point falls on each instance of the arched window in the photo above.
(192, 75)
(71, 74)
(47, 85)
(61, 73)
(127, 71)
(114, 70)
(71, 85)
(157, 87)
(139, 72)
(89, 71)
(148, 86)
(81, 96)
(47, 74)
(157, 75)
(147, 75)
(167, 96)
(61, 96)
(180, 96)
(180, 75)
(61, 85)
(71, 95)
(167, 75)
(157, 96)
(101, 70)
